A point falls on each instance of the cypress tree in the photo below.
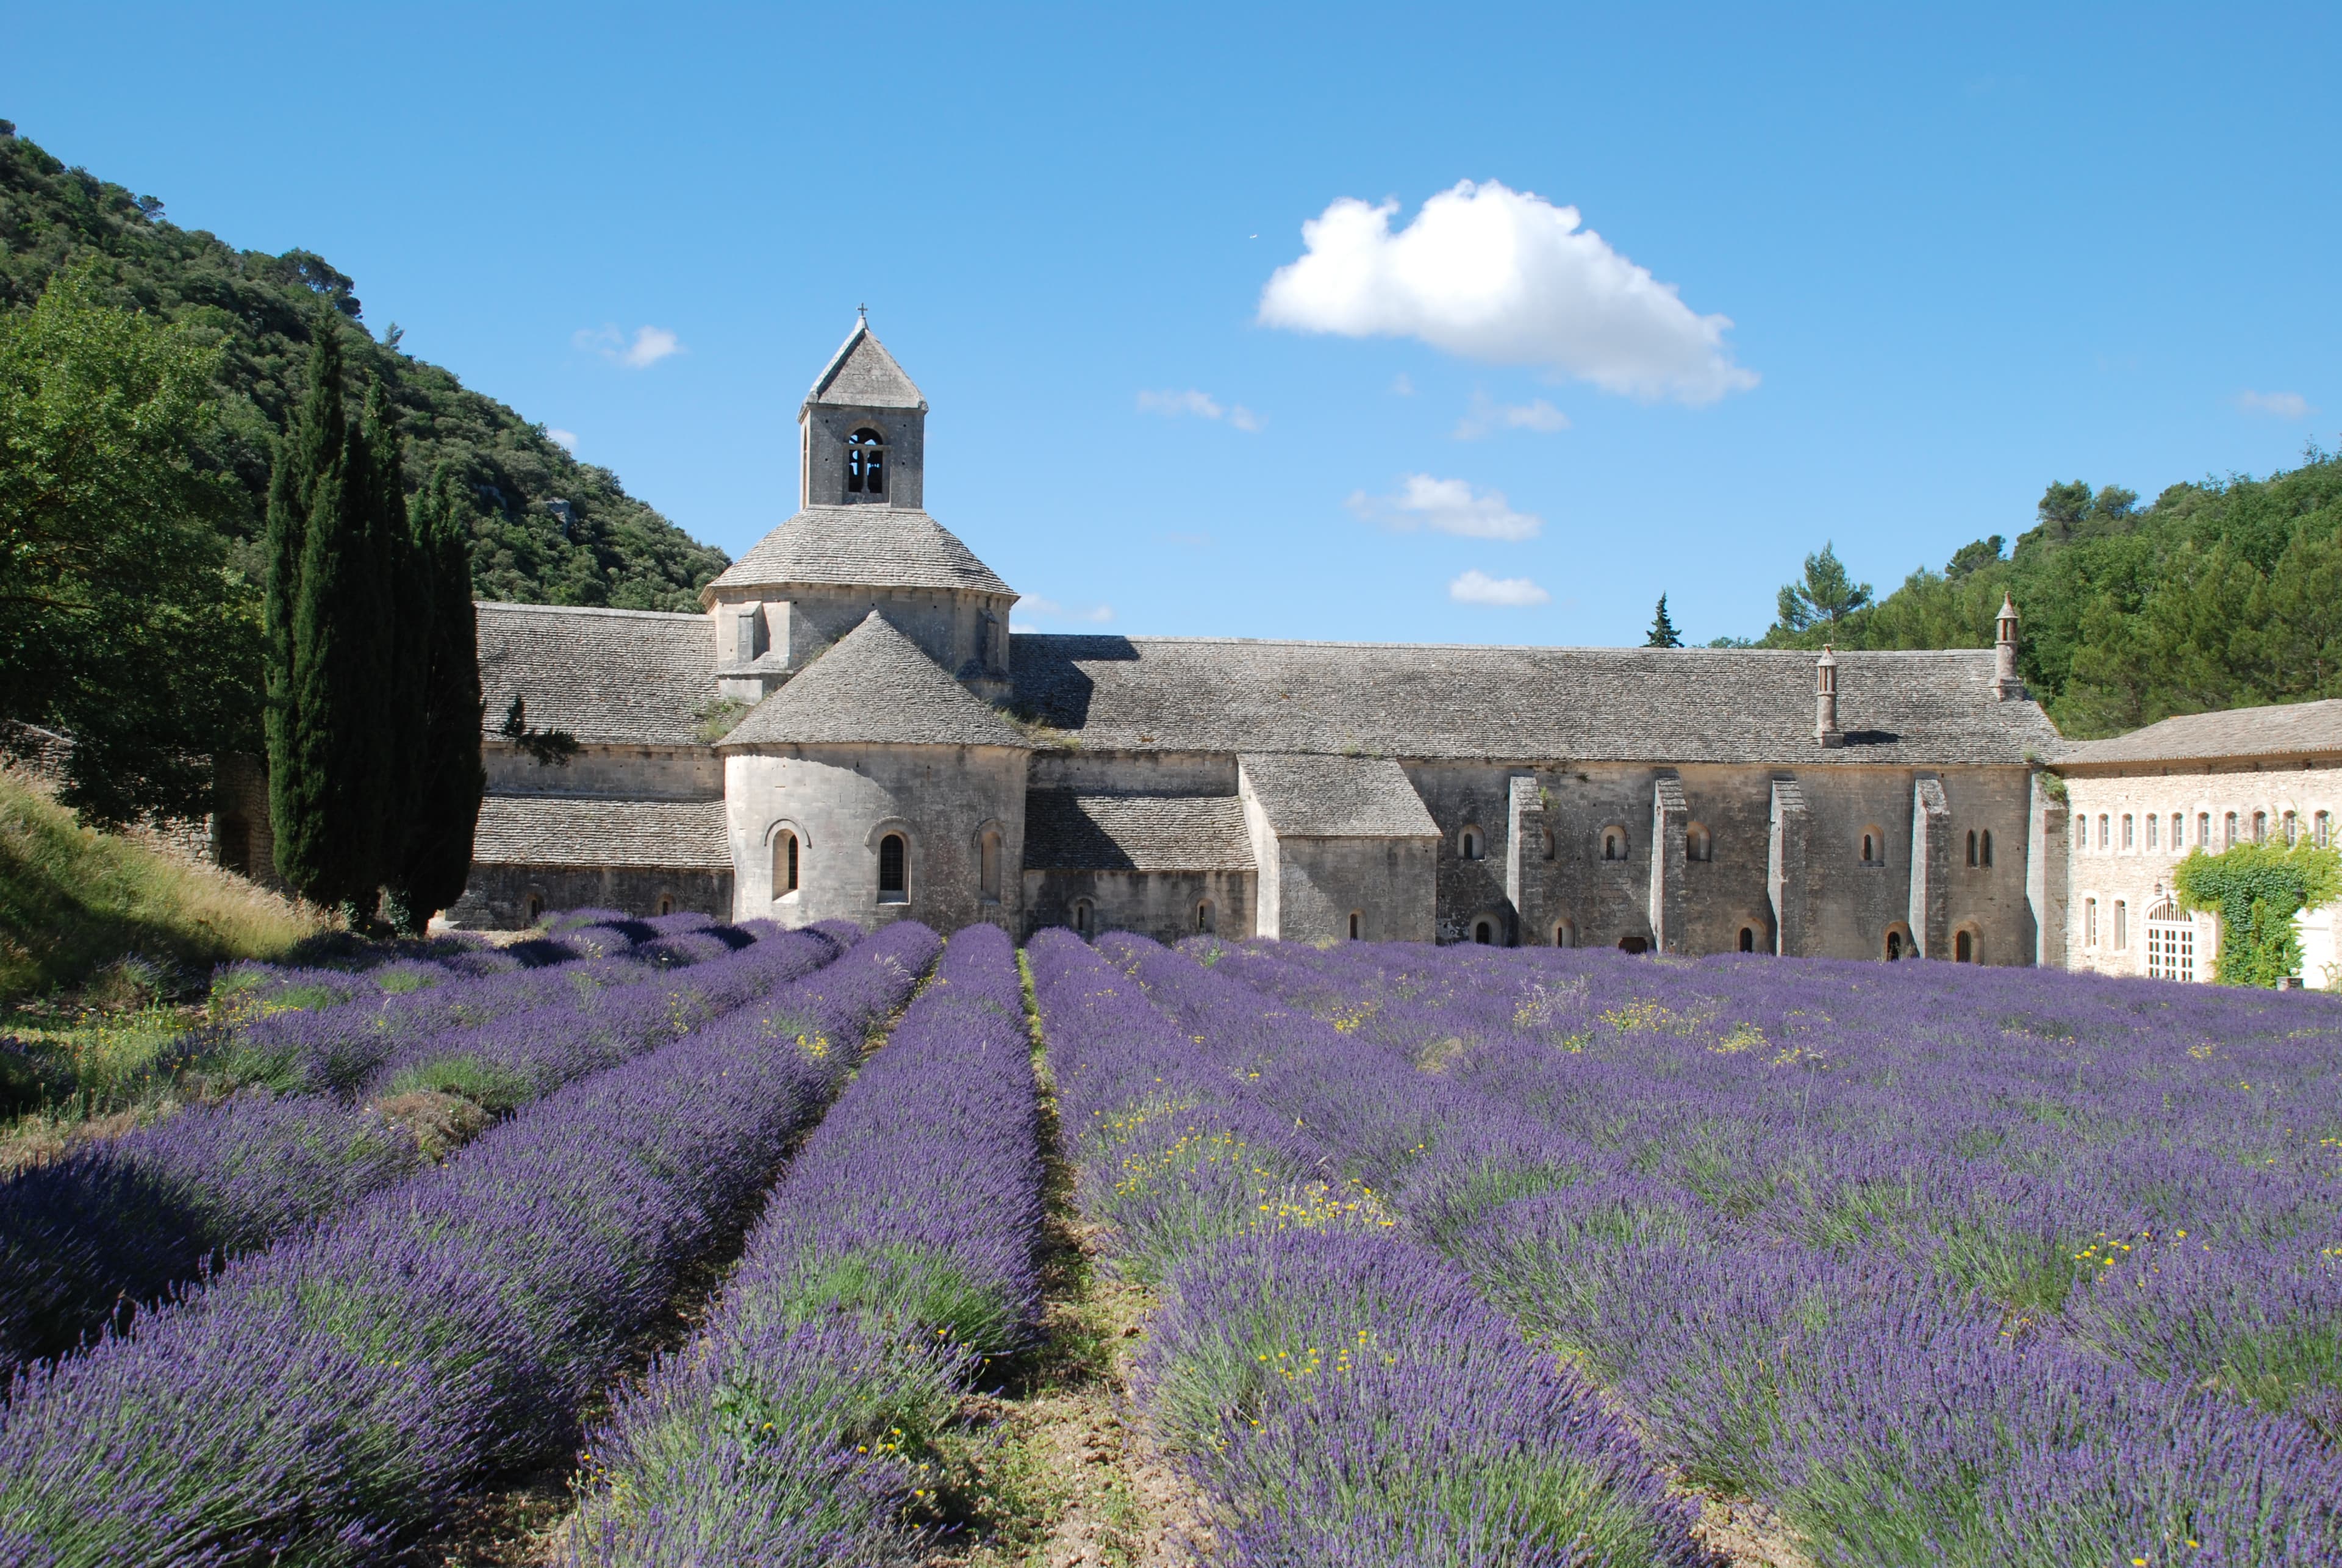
(330, 836)
(437, 861)
(405, 586)
(309, 456)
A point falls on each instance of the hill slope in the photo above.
(2225, 594)
(612, 550)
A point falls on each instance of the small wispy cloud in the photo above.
(648, 345)
(1199, 404)
(1401, 386)
(564, 439)
(1476, 587)
(1486, 417)
(1050, 609)
(2279, 404)
(1445, 506)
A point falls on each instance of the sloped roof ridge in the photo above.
(874, 685)
(878, 380)
(861, 547)
(586, 610)
(1805, 654)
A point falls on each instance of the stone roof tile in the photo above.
(626, 677)
(1067, 830)
(860, 547)
(1583, 705)
(863, 375)
(601, 830)
(874, 686)
(2281, 729)
(1337, 797)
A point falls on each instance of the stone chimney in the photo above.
(1825, 728)
(2007, 686)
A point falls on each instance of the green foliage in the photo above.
(1824, 598)
(124, 622)
(551, 748)
(2257, 889)
(2223, 594)
(436, 857)
(1663, 632)
(258, 314)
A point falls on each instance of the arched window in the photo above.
(2291, 832)
(784, 863)
(1470, 843)
(1484, 932)
(1747, 939)
(2229, 831)
(1565, 935)
(1357, 925)
(2260, 827)
(2203, 830)
(2178, 830)
(1972, 846)
(534, 906)
(865, 464)
(987, 867)
(2152, 822)
(1897, 945)
(2105, 831)
(1697, 844)
(1205, 923)
(1084, 919)
(2170, 943)
(1613, 843)
(1987, 846)
(1873, 846)
(1964, 947)
(2321, 830)
(894, 875)
(667, 903)
(2130, 833)
(2089, 923)
(2122, 924)
(2081, 831)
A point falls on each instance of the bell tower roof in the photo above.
(863, 375)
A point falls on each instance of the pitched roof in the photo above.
(598, 830)
(860, 547)
(2284, 729)
(1584, 704)
(863, 375)
(874, 685)
(1066, 830)
(1337, 797)
(629, 677)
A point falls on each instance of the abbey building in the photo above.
(851, 730)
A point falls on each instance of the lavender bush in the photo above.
(892, 1261)
(328, 1398)
(1338, 1389)
(1909, 1251)
(114, 1225)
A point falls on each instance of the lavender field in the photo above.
(1447, 1257)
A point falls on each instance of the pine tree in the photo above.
(1663, 632)
(437, 860)
(329, 780)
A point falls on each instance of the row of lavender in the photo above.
(87, 1238)
(1947, 1266)
(892, 1263)
(1338, 1389)
(329, 1399)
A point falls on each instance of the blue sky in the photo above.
(1961, 255)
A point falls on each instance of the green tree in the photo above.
(2257, 889)
(1663, 632)
(436, 860)
(123, 623)
(1826, 596)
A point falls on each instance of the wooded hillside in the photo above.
(612, 549)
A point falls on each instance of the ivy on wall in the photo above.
(2257, 889)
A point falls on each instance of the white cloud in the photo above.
(564, 439)
(1050, 609)
(1476, 587)
(1486, 417)
(2283, 404)
(646, 348)
(1447, 506)
(1503, 275)
(1202, 405)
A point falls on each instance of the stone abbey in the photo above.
(899, 752)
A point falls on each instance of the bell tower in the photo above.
(863, 430)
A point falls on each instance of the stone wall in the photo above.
(2118, 880)
(632, 773)
(1162, 904)
(513, 897)
(823, 433)
(842, 801)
